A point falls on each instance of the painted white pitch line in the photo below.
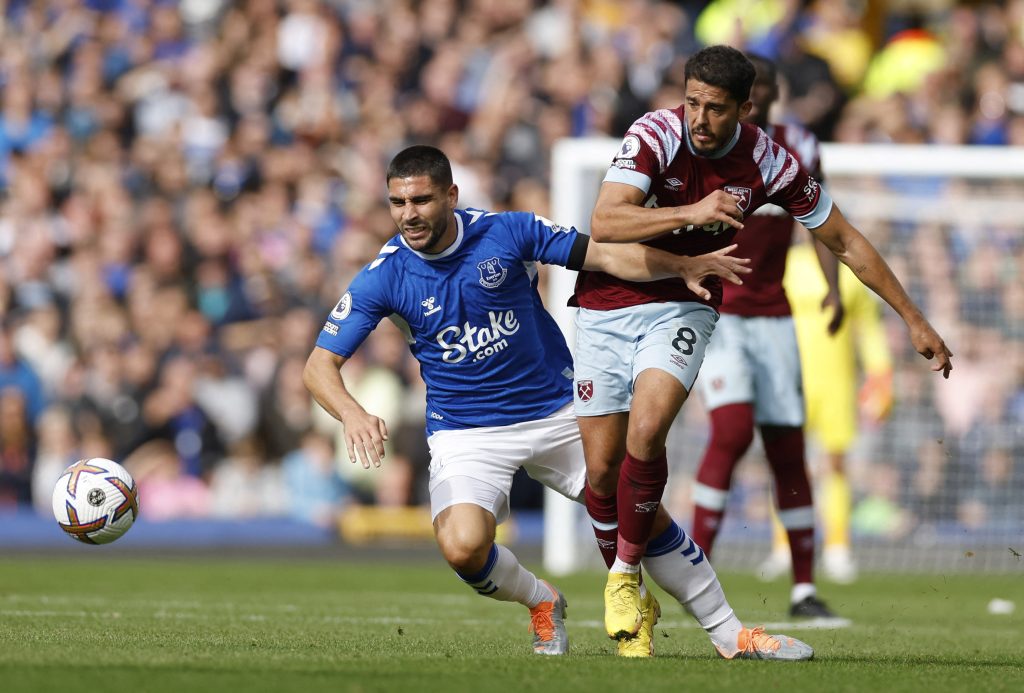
(382, 620)
(72, 614)
(467, 601)
(75, 599)
(179, 615)
(778, 626)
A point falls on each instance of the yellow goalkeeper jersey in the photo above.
(829, 362)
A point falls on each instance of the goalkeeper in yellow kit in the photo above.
(830, 371)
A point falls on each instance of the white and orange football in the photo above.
(95, 500)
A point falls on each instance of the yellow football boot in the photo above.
(623, 613)
(643, 644)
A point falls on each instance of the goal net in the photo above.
(939, 485)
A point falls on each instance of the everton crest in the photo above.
(492, 274)
(742, 196)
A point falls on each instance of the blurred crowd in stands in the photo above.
(187, 188)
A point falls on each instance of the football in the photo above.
(95, 500)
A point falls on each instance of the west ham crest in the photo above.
(492, 274)
(742, 196)
(585, 389)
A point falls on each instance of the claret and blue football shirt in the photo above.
(489, 353)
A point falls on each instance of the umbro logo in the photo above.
(673, 184)
(647, 507)
(606, 543)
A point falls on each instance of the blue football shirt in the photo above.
(489, 353)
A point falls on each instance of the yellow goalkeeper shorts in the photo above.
(831, 414)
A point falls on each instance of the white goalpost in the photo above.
(960, 202)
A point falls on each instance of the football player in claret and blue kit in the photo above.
(683, 181)
(751, 375)
(462, 285)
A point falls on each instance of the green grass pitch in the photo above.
(90, 623)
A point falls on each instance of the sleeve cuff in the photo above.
(623, 175)
(578, 253)
(817, 216)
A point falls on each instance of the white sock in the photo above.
(801, 591)
(678, 566)
(727, 635)
(505, 579)
(620, 566)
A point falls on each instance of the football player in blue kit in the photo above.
(462, 286)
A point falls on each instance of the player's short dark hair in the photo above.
(421, 160)
(765, 71)
(723, 67)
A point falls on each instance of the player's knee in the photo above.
(646, 437)
(836, 462)
(465, 551)
(603, 479)
(733, 440)
(732, 428)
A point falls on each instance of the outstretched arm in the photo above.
(640, 263)
(620, 217)
(830, 267)
(364, 432)
(857, 253)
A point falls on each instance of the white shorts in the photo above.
(476, 465)
(613, 347)
(755, 360)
